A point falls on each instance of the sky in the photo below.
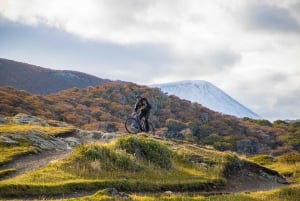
(248, 48)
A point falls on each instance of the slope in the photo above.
(130, 163)
(106, 107)
(208, 95)
(40, 80)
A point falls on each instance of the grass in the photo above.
(26, 128)
(137, 164)
(291, 193)
(126, 164)
(8, 153)
(286, 194)
(290, 170)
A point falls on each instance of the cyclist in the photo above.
(143, 106)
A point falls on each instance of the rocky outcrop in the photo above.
(43, 141)
(28, 119)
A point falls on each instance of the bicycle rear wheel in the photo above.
(151, 129)
(132, 126)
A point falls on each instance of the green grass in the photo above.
(8, 153)
(26, 128)
(290, 170)
(130, 164)
(286, 194)
(291, 193)
(143, 164)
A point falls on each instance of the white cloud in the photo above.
(250, 48)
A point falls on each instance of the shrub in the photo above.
(148, 149)
(175, 125)
(110, 159)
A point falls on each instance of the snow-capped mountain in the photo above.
(207, 95)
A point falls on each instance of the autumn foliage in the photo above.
(105, 107)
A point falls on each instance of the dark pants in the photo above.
(145, 114)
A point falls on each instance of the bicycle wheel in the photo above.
(132, 125)
(151, 129)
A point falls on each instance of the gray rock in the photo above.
(7, 140)
(57, 123)
(28, 119)
(72, 141)
(281, 180)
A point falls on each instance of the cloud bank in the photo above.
(248, 48)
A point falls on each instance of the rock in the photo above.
(112, 191)
(7, 140)
(90, 136)
(72, 141)
(109, 136)
(28, 119)
(204, 165)
(281, 180)
(57, 123)
(3, 120)
(169, 193)
(39, 141)
(266, 175)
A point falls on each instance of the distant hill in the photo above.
(208, 95)
(105, 107)
(40, 80)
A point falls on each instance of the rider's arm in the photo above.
(136, 107)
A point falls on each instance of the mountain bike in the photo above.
(133, 125)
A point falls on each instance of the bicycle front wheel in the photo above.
(132, 126)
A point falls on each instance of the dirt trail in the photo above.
(31, 162)
(245, 181)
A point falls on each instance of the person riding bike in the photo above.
(143, 106)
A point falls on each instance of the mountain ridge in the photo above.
(207, 94)
(40, 80)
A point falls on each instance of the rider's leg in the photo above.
(147, 113)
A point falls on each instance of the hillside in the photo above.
(40, 80)
(89, 161)
(208, 95)
(106, 107)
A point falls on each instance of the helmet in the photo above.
(138, 96)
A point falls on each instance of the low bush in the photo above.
(147, 149)
(110, 159)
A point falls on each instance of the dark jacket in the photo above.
(143, 105)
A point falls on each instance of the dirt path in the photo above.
(31, 162)
(245, 181)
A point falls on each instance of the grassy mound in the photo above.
(130, 163)
(148, 150)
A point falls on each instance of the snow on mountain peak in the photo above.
(208, 95)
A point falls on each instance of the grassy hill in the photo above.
(134, 167)
(40, 80)
(105, 107)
